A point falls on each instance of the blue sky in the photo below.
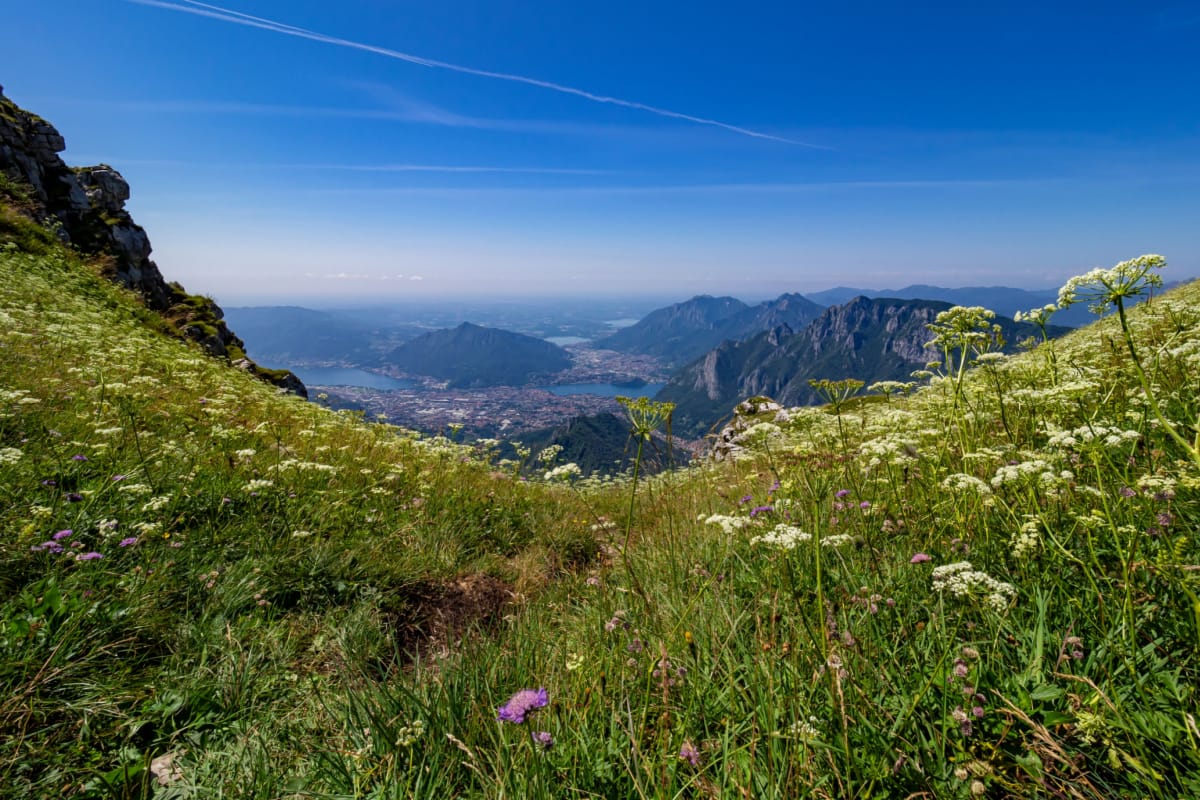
(285, 150)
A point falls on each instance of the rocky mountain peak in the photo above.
(85, 206)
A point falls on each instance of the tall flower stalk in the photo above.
(645, 417)
(1105, 289)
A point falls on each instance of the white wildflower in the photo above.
(964, 581)
(784, 537)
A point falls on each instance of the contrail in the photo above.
(238, 18)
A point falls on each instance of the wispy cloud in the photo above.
(463, 169)
(813, 187)
(248, 20)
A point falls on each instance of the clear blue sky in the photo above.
(279, 149)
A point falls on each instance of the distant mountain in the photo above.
(294, 335)
(1004, 300)
(868, 339)
(471, 356)
(679, 333)
(601, 444)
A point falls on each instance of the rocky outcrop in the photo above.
(85, 207)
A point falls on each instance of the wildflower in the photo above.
(784, 537)
(79, 457)
(543, 739)
(690, 754)
(89, 556)
(128, 542)
(74, 497)
(58, 537)
(521, 703)
(964, 581)
(1107, 287)
(920, 558)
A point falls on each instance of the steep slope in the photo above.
(85, 206)
(868, 339)
(474, 356)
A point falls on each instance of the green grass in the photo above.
(313, 604)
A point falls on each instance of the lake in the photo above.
(563, 341)
(348, 376)
(605, 389)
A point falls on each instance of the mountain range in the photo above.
(681, 332)
(1004, 300)
(869, 339)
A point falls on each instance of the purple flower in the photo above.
(920, 558)
(842, 492)
(1127, 492)
(522, 703)
(58, 537)
(79, 457)
(754, 512)
(74, 497)
(543, 738)
(690, 754)
(864, 504)
(49, 482)
(88, 556)
(52, 546)
(132, 540)
(746, 498)
(118, 477)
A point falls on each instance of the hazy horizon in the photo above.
(292, 149)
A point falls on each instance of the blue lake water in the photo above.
(346, 376)
(604, 389)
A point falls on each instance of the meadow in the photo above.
(982, 583)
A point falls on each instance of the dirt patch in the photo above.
(439, 614)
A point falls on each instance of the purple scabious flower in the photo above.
(521, 703)
(58, 537)
(842, 493)
(920, 558)
(79, 457)
(690, 754)
(746, 498)
(132, 540)
(754, 512)
(89, 556)
(74, 497)
(543, 739)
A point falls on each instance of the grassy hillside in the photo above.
(987, 588)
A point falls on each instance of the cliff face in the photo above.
(85, 207)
